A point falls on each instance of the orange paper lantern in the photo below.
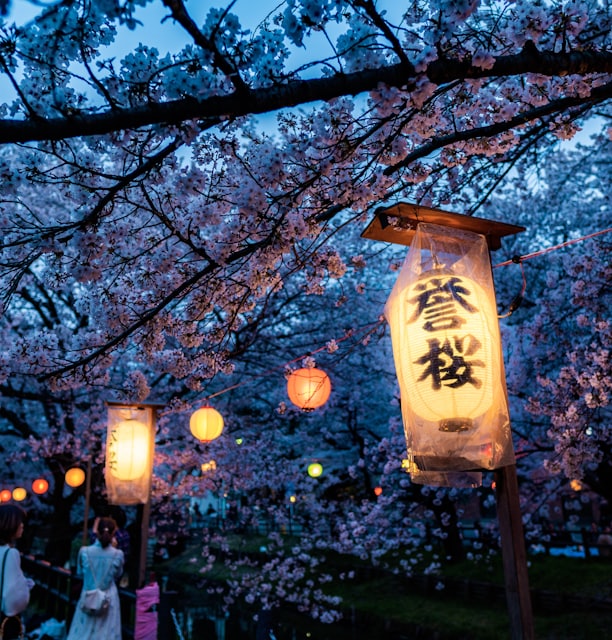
(75, 477)
(5, 495)
(308, 388)
(206, 424)
(40, 486)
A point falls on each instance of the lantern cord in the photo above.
(521, 259)
(518, 298)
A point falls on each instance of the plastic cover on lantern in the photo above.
(447, 352)
(129, 454)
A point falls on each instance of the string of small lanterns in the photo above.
(74, 477)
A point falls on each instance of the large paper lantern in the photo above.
(129, 454)
(308, 388)
(447, 351)
(19, 494)
(40, 486)
(206, 424)
(74, 477)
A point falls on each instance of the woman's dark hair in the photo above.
(11, 516)
(106, 529)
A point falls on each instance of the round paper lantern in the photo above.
(308, 388)
(5, 495)
(130, 450)
(19, 494)
(75, 477)
(315, 470)
(40, 486)
(377, 491)
(206, 424)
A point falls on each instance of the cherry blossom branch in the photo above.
(597, 95)
(297, 92)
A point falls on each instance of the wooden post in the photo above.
(514, 555)
(145, 515)
(87, 501)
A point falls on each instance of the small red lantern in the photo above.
(308, 388)
(40, 486)
(206, 424)
(377, 491)
(5, 495)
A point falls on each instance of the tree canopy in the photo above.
(182, 215)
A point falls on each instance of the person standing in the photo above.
(100, 565)
(15, 587)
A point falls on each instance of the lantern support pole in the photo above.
(87, 501)
(514, 555)
(145, 514)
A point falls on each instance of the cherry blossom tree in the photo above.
(177, 222)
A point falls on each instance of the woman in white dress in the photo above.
(15, 590)
(100, 565)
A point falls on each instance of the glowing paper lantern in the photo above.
(308, 388)
(75, 477)
(129, 454)
(5, 495)
(208, 466)
(315, 470)
(206, 424)
(19, 494)
(447, 353)
(40, 486)
(377, 491)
